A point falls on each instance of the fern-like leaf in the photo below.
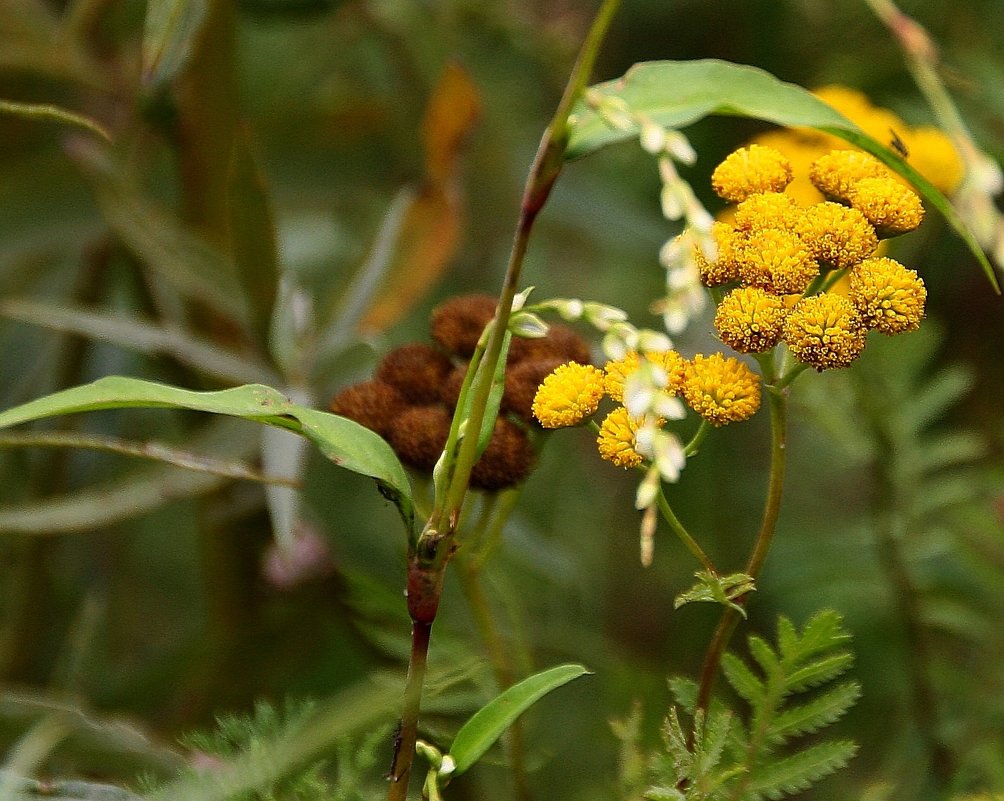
(815, 714)
(818, 672)
(742, 679)
(800, 771)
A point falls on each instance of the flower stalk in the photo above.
(430, 553)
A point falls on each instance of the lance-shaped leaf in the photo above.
(487, 724)
(675, 94)
(345, 442)
(170, 33)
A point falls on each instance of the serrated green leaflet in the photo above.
(675, 94)
(345, 442)
(487, 724)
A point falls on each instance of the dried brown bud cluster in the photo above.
(411, 398)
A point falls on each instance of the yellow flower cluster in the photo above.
(929, 150)
(720, 388)
(777, 251)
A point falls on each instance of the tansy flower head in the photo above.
(838, 171)
(521, 382)
(417, 371)
(889, 296)
(457, 323)
(776, 260)
(837, 235)
(750, 319)
(721, 389)
(724, 268)
(825, 331)
(507, 459)
(560, 342)
(750, 171)
(616, 440)
(767, 210)
(934, 156)
(568, 395)
(419, 434)
(616, 372)
(373, 404)
(889, 206)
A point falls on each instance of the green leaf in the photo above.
(345, 442)
(742, 679)
(170, 34)
(764, 655)
(717, 589)
(798, 772)
(675, 94)
(252, 234)
(815, 714)
(141, 336)
(44, 111)
(818, 672)
(486, 725)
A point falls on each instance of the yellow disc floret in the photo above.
(750, 171)
(825, 331)
(776, 260)
(616, 372)
(721, 389)
(889, 296)
(568, 395)
(887, 204)
(837, 235)
(767, 210)
(750, 319)
(836, 173)
(724, 268)
(616, 440)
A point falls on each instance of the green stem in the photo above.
(700, 435)
(400, 771)
(684, 535)
(429, 555)
(730, 617)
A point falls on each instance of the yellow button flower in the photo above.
(825, 331)
(837, 235)
(836, 173)
(750, 171)
(616, 440)
(889, 296)
(568, 395)
(767, 210)
(890, 207)
(776, 260)
(724, 268)
(721, 389)
(615, 372)
(750, 320)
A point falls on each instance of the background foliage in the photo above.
(389, 140)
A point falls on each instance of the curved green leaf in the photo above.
(345, 442)
(45, 111)
(675, 94)
(487, 724)
(169, 36)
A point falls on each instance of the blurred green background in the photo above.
(137, 591)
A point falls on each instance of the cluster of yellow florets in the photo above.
(775, 251)
(720, 388)
(927, 149)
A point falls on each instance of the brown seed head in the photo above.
(419, 434)
(521, 382)
(457, 323)
(561, 342)
(417, 371)
(373, 404)
(506, 461)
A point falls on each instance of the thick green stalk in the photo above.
(429, 555)
(778, 401)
